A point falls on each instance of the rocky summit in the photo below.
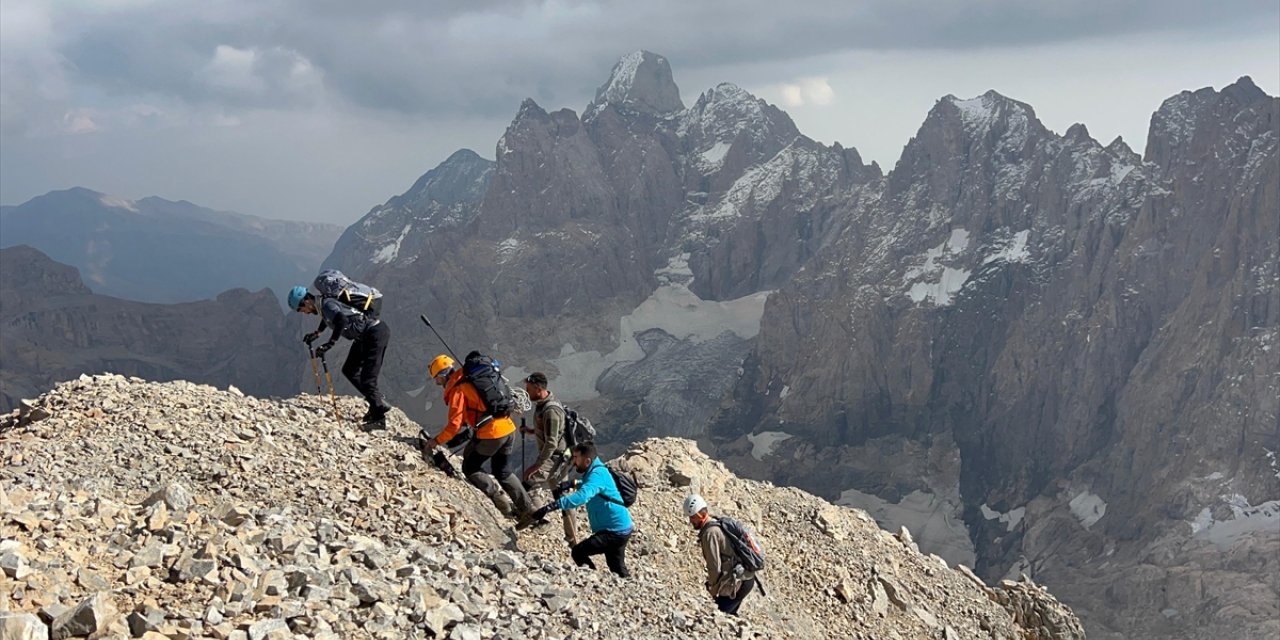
(178, 510)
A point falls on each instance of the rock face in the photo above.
(1095, 333)
(54, 329)
(156, 250)
(1042, 354)
(639, 215)
(197, 513)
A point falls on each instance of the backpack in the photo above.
(485, 374)
(627, 487)
(745, 546)
(577, 428)
(332, 283)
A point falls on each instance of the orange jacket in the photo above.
(467, 407)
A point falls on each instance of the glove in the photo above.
(547, 508)
(530, 519)
(320, 350)
(562, 489)
(310, 337)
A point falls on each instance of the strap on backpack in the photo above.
(615, 488)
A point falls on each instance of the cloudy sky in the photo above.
(320, 109)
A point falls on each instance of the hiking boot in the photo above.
(525, 521)
(376, 413)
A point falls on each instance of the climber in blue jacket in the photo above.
(611, 525)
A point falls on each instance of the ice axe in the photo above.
(433, 330)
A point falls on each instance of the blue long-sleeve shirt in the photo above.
(604, 515)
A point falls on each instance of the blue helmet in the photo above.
(296, 295)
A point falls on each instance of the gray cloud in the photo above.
(484, 57)
(190, 93)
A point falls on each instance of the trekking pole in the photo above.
(433, 330)
(315, 370)
(332, 395)
(524, 462)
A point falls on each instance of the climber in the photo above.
(729, 580)
(369, 335)
(493, 440)
(552, 466)
(611, 526)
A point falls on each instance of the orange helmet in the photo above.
(441, 363)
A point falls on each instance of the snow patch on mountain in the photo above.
(508, 249)
(673, 308)
(766, 442)
(713, 157)
(942, 291)
(116, 202)
(950, 280)
(1246, 519)
(680, 312)
(1014, 250)
(1088, 508)
(622, 78)
(934, 519)
(389, 252)
(677, 271)
(1011, 519)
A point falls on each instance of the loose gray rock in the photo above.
(22, 626)
(89, 617)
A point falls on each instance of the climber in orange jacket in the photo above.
(494, 439)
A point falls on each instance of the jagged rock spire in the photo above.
(640, 81)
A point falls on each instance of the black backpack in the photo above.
(485, 374)
(332, 283)
(577, 428)
(627, 487)
(745, 545)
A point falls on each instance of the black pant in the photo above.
(730, 604)
(612, 545)
(498, 452)
(364, 361)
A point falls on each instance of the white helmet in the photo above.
(693, 505)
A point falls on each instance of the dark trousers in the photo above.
(498, 452)
(730, 604)
(612, 545)
(364, 362)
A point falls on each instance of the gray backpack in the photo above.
(577, 428)
(332, 283)
(750, 553)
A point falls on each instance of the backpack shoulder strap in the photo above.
(606, 498)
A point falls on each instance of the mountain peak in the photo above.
(462, 177)
(1244, 91)
(640, 81)
(980, 112)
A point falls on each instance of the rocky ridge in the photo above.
(176, 510)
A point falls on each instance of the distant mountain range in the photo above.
(157, 250)
(53, 328)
